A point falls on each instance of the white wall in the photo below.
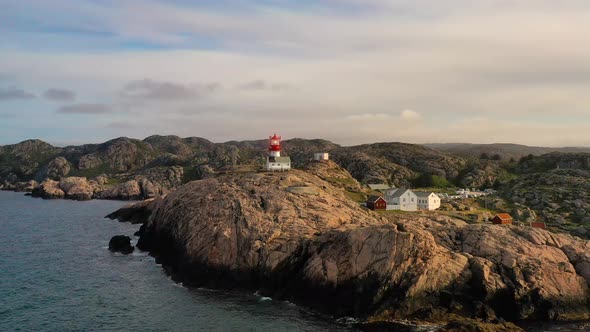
(278, 166)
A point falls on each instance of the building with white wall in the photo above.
(401, 199)
(427, 200)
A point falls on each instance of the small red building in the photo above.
(376, 203)
(538, 224)
(502, 219)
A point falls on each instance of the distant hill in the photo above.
(506, 151)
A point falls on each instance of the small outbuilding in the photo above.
(321, 156)
(502, 219)
(376, 203)
(538, 224)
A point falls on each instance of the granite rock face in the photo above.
(558, 197)
(49, 189)
(326, 252)
(58, 168)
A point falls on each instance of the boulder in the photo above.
(129, 190)
(122, 244)
(28, 186)
(49, 189)
(58, 168)
(77, 188)
(101, 180)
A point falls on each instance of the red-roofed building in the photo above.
(502, 219)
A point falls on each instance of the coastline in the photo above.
(289, 279)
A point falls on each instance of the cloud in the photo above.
(85, 108)
(55, 94)
(261, 85)
(13, 93)
(519, 64)
(148, 89)
(410, 115)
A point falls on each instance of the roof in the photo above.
(423, 193)
(378, 186)
(374, 199)
(399, 193)
(504, 216)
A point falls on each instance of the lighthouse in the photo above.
(274, 161)
(274, 146)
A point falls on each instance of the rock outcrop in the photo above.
(324, 251)
(57, 168)
(560, 197)
(122, 244)
(49, 189)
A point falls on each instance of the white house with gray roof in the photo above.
(401, 199)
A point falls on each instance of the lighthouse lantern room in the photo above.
(274, 161)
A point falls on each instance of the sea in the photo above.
(57, 274)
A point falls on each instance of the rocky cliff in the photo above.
(295, 236)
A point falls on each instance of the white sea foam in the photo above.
(347, 320)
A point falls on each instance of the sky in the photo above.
(350, 71)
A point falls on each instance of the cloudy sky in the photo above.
(351, 71)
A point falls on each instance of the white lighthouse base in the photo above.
(277, 164)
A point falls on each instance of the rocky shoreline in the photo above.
(140, 187)
(319, 249)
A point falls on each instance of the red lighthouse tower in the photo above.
(274, 146)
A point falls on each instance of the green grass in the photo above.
(91, 172)
(189, 174)
(348, 181)
(450, 191)
(356, 196)
(113, 181)
(396, 212)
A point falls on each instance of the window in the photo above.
(404, 200)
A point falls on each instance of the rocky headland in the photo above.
(296, 236)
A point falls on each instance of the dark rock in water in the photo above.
(28, 194)
(137, 213)
(140, 231)
(122, 244)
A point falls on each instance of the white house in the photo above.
(401, 199)
(321, 156)
(428, 200)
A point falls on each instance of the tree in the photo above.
(484, 156)
(496, 157)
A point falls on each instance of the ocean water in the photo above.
(56, 274)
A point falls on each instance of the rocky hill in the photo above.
(126, 168)
(297, 237)
(121, 160)
(557, 187)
